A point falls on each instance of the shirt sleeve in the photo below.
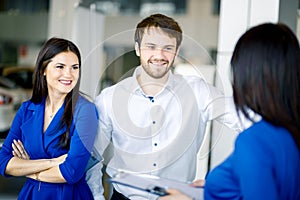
(14, 134)
(221, 108)
(81, 144)
(103, 138)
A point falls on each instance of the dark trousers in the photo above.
(118, 196)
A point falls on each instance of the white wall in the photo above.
(85, 28)
(88, 34)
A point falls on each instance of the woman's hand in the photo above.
(33, 176)
(198, 183)
(19, 150)
(60, 159)
(54, 163)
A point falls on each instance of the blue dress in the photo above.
(265, 164)
(28, 127)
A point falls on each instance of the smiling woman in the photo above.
(52, 134)
(61, 74)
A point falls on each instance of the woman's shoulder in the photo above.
(264, 136)
(256, 131)
(30, 105)
(263, 128)
(84, 99)
(85, 103)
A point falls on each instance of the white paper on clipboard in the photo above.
(154, 184)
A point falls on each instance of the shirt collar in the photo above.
(136, 87)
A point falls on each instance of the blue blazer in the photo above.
(27, 126)
(265, 164)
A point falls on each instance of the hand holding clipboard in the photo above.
(154, 184)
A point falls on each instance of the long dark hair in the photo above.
(266, 71)
(167, 24)
(51, 48)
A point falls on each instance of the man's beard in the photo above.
(159, 73)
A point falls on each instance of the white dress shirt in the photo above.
(158, 135)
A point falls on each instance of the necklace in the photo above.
(52, 110)
(52, 113)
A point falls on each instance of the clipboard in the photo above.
(154, 184)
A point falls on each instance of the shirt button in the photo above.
(155, 144)
(151, 99)
(154, 164)
(153, 122)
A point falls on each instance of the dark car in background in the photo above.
(15, 87)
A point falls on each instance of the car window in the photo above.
(7, 83)
(21, 78)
